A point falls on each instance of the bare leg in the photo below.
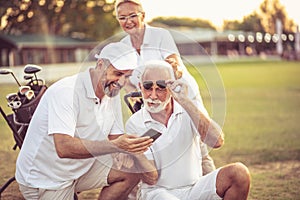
(121, 184)
(233, 182)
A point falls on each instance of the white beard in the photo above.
(154, 108)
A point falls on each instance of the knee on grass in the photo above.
(239, 174)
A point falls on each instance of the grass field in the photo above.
(261, 125)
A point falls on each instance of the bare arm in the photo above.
(210, 132)
(72, 147)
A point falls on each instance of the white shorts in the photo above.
(204, 188)
(96, 177)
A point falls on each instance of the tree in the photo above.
(264, 19)
(250, 22)
(80, 18)
(269, 11)
(184, 21)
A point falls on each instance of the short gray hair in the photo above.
(159, 65)
(106, 62)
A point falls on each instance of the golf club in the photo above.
(33, 69)
(28, 77)
(14, 104)
(12, 97)
(23, 89)
(9, 71)
(13, 100)
(27, 92)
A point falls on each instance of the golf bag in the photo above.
(23, 103)
(19, 119)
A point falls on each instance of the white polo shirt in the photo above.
(70, 107)
(176, 153)
(158, 44)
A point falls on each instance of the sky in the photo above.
(214, 10)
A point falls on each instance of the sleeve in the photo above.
(61, 115)
(118, 125)
(203, 148)
(130, 128)
(168, 45)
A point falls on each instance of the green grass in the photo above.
(263, 107)
(261, 125)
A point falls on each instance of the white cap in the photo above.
(120, 55)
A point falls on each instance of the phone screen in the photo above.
(152, 134)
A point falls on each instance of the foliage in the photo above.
(263, 20)
(270, 10)
(95, 18)
(84, 19)
(184, 21)
(250, 22)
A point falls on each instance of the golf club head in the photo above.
(5, 71)
(29, 94)
(23, 89)
(32, 69)
(9, 71)
(12, 97)
(28, 77)
(14, 104)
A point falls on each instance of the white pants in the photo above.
(204, 188)
(96, 177)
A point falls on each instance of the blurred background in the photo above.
(62, 31)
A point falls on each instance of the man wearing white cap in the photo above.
(66, 149)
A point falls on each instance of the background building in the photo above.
(42, 49)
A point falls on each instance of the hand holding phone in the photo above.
(152, 134)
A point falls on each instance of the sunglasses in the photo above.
(160, 83)
(132, 16)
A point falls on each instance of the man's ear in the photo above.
(99, 63)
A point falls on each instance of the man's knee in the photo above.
(240, 173)
(234, 175)
(128, 178)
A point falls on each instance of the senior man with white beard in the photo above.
(176, 154)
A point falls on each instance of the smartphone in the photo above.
(152, 133)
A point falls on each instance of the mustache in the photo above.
(116, 84)
(152, 101)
